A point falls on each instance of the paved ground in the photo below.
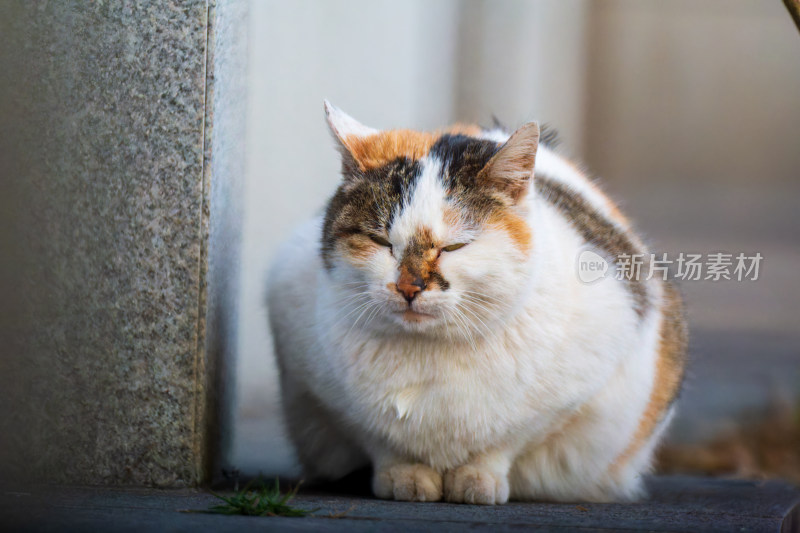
(676, 504)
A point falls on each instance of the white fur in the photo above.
(424, 209)
(531, 392)
(344, 125)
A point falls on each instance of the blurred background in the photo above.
(687, 110)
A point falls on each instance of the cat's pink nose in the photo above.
(409, 286)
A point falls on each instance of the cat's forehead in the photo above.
(437, 191)
(444, 192)
(423, 210)
(376, 150)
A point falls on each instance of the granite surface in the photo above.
(104, 158)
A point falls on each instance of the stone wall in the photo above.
(115, 195)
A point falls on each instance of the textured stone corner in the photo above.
(106, 140)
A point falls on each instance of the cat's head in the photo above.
(427, 231)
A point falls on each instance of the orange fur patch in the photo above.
(515, 226)
(376, 150)
(668, 376)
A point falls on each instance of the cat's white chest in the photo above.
(430, 402)
(405, 401)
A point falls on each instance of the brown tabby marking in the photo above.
(595, 229)
(359, 247)
(364, 203)
(668, 376)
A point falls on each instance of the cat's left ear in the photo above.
(510, 170)
(348, 131)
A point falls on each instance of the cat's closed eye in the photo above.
(380, 240)
(454, 247)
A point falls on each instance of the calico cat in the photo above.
(432, 324)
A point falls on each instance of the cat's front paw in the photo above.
(473, 484)
(408, 482)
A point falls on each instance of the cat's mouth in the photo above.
(409, 315)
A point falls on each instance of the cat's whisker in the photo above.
(461, 319)
(488, 331)
(478, 304)
(360, 289)
(473, 338)
(372, 315)
(354, 296)
(350, 283)
(467, 324)
(480, 329)
(482, 298)
(357, 307)
(467, 303)
(487, 297)
(367, 308)
(487, 301)
(363, 308)
(452, 317)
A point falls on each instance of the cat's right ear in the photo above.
(348, 133)
(510, 170)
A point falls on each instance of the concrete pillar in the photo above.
(120, 124)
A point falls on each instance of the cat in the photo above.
(432, 324)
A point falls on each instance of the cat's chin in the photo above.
(412, 320)
(409, 315)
